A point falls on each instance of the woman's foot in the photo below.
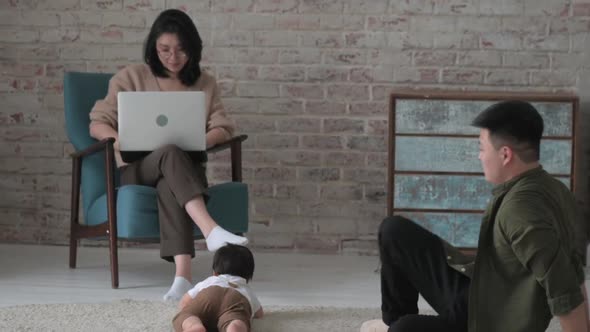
(179, 287)
(218, 237)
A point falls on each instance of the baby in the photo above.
(223, 301)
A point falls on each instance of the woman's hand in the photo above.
(216, 136)
(101, 131)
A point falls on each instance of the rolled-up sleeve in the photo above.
(538, 246)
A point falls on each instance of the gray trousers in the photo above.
(178, 179)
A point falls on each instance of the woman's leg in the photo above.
(176, 240)
(181, 186)
(188, 184)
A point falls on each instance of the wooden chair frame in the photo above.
(109, 227)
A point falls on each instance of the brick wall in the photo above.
(307, 80)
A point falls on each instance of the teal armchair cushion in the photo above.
(137, 210)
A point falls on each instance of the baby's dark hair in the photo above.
(235, 260)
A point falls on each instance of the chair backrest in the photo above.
(81, 91)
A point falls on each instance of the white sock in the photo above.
(220, 237)
(179, 287)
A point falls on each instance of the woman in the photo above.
(172, 54)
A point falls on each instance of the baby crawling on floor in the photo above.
(223, 301)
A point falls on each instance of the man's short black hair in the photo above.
(179, 23)
(515, 123)
(235, 260)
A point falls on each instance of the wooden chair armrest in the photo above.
(235, 145)
(227, 144)
(98, 146)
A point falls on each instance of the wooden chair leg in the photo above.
(73, 242)
(73, 252)
(236, 161)
(112, 214)
(75, 205)
(114, 260)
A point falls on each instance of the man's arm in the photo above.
(538, 247)
(576, 320)
(586, 306)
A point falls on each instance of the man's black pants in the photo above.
(413, 262)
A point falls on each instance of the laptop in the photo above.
(149, 120)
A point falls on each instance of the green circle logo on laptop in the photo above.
(162, 120)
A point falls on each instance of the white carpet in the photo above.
(131, 315)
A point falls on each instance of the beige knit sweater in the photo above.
(140, 78)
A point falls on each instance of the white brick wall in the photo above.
(307, 80)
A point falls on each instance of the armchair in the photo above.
(130, 212)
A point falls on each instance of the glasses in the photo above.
(167, 54)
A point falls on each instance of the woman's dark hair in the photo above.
(515, 123)
(235, 260)
(179, 23)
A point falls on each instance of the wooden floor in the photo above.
(39, 274)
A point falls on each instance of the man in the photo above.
(529, 263)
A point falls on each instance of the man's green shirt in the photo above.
(528, 266)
